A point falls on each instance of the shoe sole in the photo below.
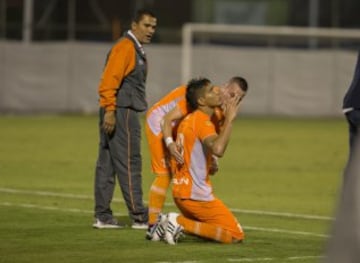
(139, 227)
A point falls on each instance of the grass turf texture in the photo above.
(271, 164)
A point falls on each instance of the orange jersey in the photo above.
(191, 180)
(165, 105)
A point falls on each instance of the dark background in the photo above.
(105, 20)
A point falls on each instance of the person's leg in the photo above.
(126, 157)
(353, 119)
(104, 178)
(157, 196)
(210, 220)
(160, 167)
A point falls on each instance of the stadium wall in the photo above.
(63, 77)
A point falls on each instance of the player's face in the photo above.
(213, 96)
(144, 29)
(230, 90)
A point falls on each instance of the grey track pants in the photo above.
(120, 155)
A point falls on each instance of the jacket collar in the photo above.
(137, 43)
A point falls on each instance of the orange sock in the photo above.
(205, 230)
(157, 196)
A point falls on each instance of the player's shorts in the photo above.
(159, 154)
(212, 212)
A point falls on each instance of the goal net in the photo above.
(291, 70)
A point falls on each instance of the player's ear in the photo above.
(201, 101)
(133, 25)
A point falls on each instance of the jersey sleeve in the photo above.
(121, 61)
(182, 105)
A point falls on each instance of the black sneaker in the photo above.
(110, 224)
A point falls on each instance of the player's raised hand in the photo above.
(232, 106)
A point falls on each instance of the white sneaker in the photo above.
(173, 229)
(112, 223)
(157, 231)
(139, 225)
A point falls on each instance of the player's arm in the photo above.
(217, 143)
(120, 63)
(214, 166)
(166, 128)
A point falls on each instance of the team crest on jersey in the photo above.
(208, 123)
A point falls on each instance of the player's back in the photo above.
(155, 114)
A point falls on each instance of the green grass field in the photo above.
(280, 176)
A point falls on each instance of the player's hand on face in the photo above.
(109, 122)
(232, 107)
(176, 152)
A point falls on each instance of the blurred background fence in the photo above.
(52, 52)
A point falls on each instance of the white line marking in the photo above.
(271, 259)
(52, 208)
(75, 210)
(290, 215)
(276, 230)
(251, 259)
(304, 257)
(235, 210)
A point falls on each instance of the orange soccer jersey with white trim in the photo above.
(159, 155)
(165, 105)
(191, 180)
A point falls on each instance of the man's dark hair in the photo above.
(241, 82)
(142, 12)
(193, 91)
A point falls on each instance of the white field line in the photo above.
(52, 208)
(292, 259)
(281, 214)
(76, 210)
(235, 210)
(275, 230)
(288, 259)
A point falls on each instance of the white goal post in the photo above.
(292, 71)
(189, 29)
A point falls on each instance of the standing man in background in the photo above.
(122, 97)
(351, 107)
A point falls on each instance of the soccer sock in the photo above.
(157, 196)
(205, 230)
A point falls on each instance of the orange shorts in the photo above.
(212, 212)
(159, 154)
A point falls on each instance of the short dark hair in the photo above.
(241, 82)
(193, 91)
(142, 12)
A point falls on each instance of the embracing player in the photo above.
(160, 127)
